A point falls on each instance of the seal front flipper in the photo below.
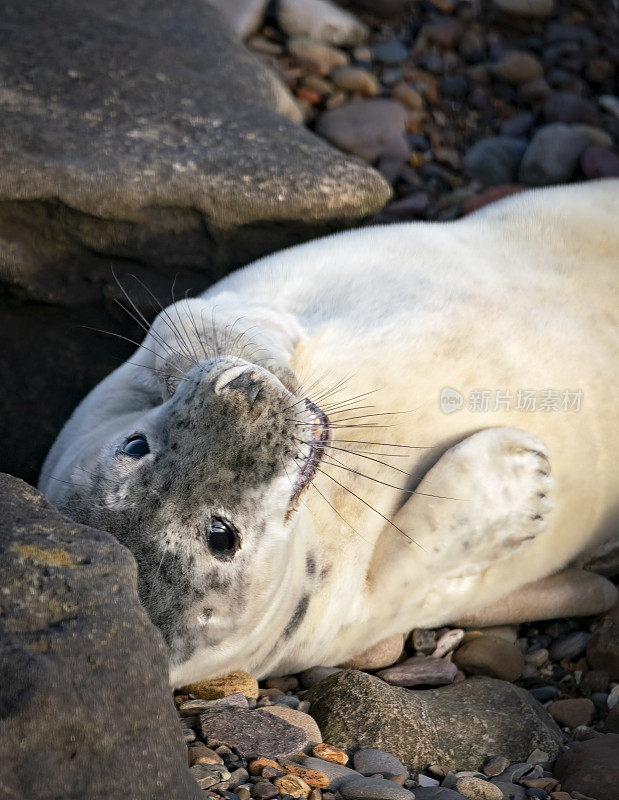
(484, 499)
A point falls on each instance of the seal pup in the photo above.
(277, 521)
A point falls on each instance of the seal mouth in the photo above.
(318, 426)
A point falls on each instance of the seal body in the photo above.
(385, 429)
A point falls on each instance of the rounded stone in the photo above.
(517, 67)
(495, 160)
(336, 773)
(490, 656)
(327, 752)
(591, 768)
(299, 719)
(572, 712)
(420, 671)
(553, 155)
(569, 107)
(478, 789)
(371, 760)
(320, 20)
(355, 79)
(292, 785)
(374, 789)
(215, 688)
(383, 654)
(600, 162)
(314, 778)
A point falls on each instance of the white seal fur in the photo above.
(519, 296)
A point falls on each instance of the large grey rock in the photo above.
(457, 726)
(86, 710)
(143, 137)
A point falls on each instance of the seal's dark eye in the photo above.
(136, 446)
(222, 538)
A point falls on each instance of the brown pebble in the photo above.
(201, 754)
(478, 789)
(256, 766)
(355, 79)
(313, 777)
(285, 683)
(330, 753)
(315, 794)
(495, 765)
(272, 772)
(489, 656)
(292, 785)
(215, 688)
(547, 784)
(411, 98)
(573, 712)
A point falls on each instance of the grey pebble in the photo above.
(243, 792)
(553, 155)
(287, 701)
(238, 777)
(264, 791)
(436, 793)
(569, 646)
(424, 780)
(390, 52)
(374, 789)
(337, 773)
(371, 760)
(495, 160)
(544, 693)
(511, 791)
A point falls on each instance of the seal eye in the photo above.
(136, 446)
(222, 538)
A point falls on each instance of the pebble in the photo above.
(534, 92)
(320, 20)
(595, 680)
(495, 766)
(600, 162)
(526, 8)
(447, 642)
(300, 720)
(327, 752)
(595, 136)
(391, 52)
(544, 693)
(264, 790)
(573, 712)
(237, 778)
(371, 129)
(371, 761)
(423, 640)
(420, 671)
(409, 96)
(478, 789)
(285, 683)
(591, 768)
(314, 778)
(489, 656)
(256, 765)
(517, 126)
(292, 785)
(253, 733)
(355, 79)
(374, 789)
(613, 697)
(424, 780)
(201, 754)
(609, 103)
(569, 107)
(570, 646)
(337, 773)
(495, 161)
(216, 688)
(244, 792)
(537, 658)
(552, 156)
(207, 775)
(321, 56)
(517, 67)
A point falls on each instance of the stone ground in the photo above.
(459, 103)
(476, 736)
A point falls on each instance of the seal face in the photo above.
(279, 523)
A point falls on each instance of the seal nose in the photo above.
(245, 382)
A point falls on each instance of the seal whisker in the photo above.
(368, 458)
(195, 327)
(386, 444)
(383, 483)
(166, 317)
(132, 341)
(180, 319)
(371, 507)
